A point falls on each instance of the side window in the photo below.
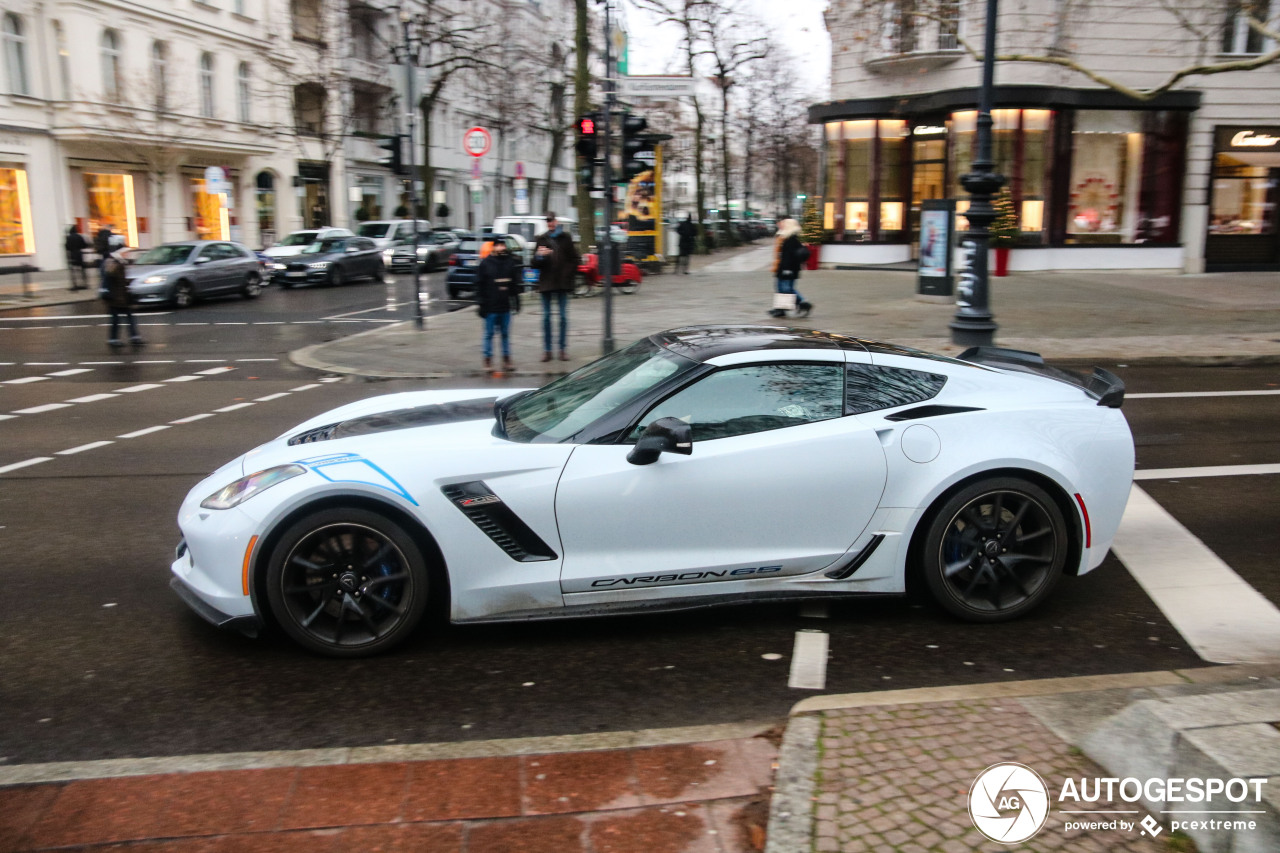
(869, 388)
(754, 398)
(210, 252)
(405, 231)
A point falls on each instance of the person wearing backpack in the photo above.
(789, 255)
(117, 296)
(498, 293)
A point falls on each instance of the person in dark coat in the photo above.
(102, 245)
(75, 246)
(789, 255)
(556, 258)
(118, 298)
(498, 292)
(688, 234)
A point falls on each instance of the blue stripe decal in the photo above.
(354, 468)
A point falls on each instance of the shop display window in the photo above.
(212, 219)
(1106, 172)
(111, 202)
(1242, 196)
(15, 213)
(1020, 141)
(266, 204)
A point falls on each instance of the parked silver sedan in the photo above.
(180, 273)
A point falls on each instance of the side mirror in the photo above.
(202, 260)
(352, 250)
(665, 435)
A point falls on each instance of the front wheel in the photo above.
(629, 286)
(995, 550)
(380, 273)
(337, 277)
(184, 295)
(347, 582)
(252, 287)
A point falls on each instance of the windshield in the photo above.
(162, 256)
(301, 238)
(323, 247)
(376, 230)
(560, 410)
(468, 246)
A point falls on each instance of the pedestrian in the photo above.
(789, 254)
(498, 292)
(688, 234)
(75, 246)
(102, 245)
(118, 297)
(557, 259)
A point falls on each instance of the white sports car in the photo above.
(699, 466)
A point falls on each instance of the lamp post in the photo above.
(973, 324)
(405, 20)
(605, 247)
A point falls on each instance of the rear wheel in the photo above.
(629, 286)
(184, 295)
(347, 582)
(252, 287)
(995, 549)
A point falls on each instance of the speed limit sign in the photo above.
(476, 142)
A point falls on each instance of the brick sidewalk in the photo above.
(897, 778)
(691, 798)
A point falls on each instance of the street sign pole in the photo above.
(418, 321)
(605, 247)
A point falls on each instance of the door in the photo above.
(779, 482)
(210, 274)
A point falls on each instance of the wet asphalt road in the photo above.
(98, 659)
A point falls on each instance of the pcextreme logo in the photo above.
(1010, 803)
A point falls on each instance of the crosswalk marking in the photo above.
(233, 407)
(1179, 394)
(92, 398)
(93, 445)
(1205, 471)
(133, 389)
(73, 371)
(25, 380)
(192, 418)
(24, 464)
(141, 432)
(809, 661)
(1219, 615)
(47, 407)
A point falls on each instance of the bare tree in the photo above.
(503, 90)
(550, 110)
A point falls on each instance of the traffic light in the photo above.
(393, 159)
(588, 136)
(635, 145)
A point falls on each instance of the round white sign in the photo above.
(476, 142)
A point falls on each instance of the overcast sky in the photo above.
(652, 48)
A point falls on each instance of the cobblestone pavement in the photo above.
(897, 778)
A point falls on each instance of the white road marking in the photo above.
(82, 448)
(47, 407)
(102, 362)
(305, 387)
(141, 432)
(1205, 471)
(46, 364)
(133, 389)
(190, 418)
(809, 661)
(270, 397)
(73, 371)
(183, 378)
(267, 323)
(92, 398)
(154, 361)
(230, 324)
(193, 324)
(1219, 615)
(332, 379)
(26, 379)
(1177, 394)
(7, 417)
(257, 359)
(25, 463)
(204, 360)
(211, 371)
(233, 407)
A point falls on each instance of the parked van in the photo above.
(391, 232)
(529, 227)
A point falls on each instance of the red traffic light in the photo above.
(587, 126)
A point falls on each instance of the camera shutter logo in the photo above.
(1009, 803)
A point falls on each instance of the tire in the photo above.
(995, 549)
(380, 273)
(252, 287)
(581, 287)
(184, 295)
(346, 583)
(337, 277)
(629, 287)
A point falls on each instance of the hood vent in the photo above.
(419, 416)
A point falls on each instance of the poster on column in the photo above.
(935, 265)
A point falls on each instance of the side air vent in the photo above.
(929, 412)
(496, 520)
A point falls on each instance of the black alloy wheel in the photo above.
(347, 582)
(995, 550)
(184, 295)
(252, 286)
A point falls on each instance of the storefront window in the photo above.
(1020, 141)
(111, 202)
(212, 219)
(15, 213)
(1106, 174)
(369, 207)
(265, 192)
(892, 171)
(1243, 197)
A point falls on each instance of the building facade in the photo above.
(228, 119)
(1099, 179)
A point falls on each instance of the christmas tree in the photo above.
(1004, 228)
(811, 223)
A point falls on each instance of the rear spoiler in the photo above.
(1103, 386)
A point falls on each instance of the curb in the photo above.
(67, 771)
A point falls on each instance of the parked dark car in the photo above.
(434, 250)
(178, 274)
(461, 281)
(336, 260)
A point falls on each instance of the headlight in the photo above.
(387, 255)
(279, 266)
(319, 265)
(246, 487)
(155, 279)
